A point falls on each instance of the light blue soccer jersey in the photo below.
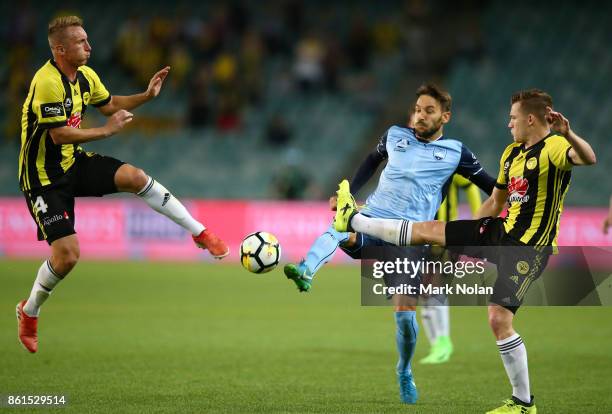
(413, 183)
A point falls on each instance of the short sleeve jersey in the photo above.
(537, 179)
(53, 101)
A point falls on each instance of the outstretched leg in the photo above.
(398, 232)
(321, 252)
(134, 180)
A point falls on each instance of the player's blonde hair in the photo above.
(58, 25)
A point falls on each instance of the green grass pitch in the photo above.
(166, 338)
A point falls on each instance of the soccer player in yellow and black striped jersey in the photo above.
(534, 177)
(54, 169)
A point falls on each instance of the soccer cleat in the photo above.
(27, 327)
(207, 240)
(440, 353)
(346, 207)
(300, 275)
(407, 388)
(515, 406)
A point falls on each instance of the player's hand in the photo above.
(118, 120)
(557, 121)
(333, 203)
(156, 82)
(606, 225)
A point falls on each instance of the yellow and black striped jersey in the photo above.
(537, 180)
(53, 101)
(449, 209)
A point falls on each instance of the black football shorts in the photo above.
(52, 207)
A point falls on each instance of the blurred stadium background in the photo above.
(267, 106)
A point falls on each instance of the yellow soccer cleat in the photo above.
(346, 207)
(515, 406)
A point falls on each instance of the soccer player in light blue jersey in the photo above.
(419, 169)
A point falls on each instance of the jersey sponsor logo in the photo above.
(439, 153)
(522, 267)
(68, 104)
(51, 110)
(515, 278)
(401, 145)
(75, 120)
(531, 163)
(517, 190)
(50, 220)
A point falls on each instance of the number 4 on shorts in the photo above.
(40, 206)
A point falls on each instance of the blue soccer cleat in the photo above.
(408, 390)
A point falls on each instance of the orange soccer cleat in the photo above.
(27, 329)
(207, 240)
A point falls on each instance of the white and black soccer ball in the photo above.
(260, 252)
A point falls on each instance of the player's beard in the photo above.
(430, 132)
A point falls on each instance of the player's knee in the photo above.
(350, 242)
(66, 258)
(139, 178)
(500, 323)
(405, 308)
(131, 179)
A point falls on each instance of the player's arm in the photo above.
(366, 170)
(470, 168)
(581, 152)
(493, 205)
(133, 101)
(70, 135)
(496, 202)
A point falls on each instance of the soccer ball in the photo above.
(260, 252)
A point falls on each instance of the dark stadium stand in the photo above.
(204, 157)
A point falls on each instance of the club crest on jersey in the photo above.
(522, 267)
(401, 145)
(531, 163)
(439, 153)
(517, 190)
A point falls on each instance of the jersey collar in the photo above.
(424, 141)
(539, 144)
(62, 73)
